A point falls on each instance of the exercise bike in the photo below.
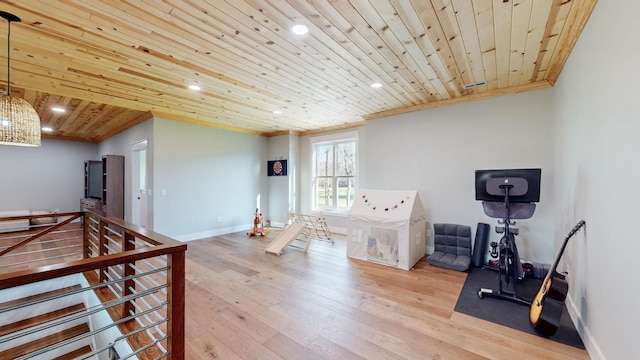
(507, 185)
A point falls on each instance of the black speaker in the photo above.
(480, 244)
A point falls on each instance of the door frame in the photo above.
(139, 196)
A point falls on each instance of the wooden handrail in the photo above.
(29, 276)
(140, 232)
(41, 233)
(29, 217)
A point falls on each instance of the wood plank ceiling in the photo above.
(113, 64)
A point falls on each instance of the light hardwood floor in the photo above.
(245, 304)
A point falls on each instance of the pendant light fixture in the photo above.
(19, 122)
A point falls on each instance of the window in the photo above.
(334, 174)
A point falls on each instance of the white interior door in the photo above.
(139, 184)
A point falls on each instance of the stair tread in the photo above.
(43, 295)
(75, 353)
(41, 319)
(44, 342)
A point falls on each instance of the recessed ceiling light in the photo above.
(194, 87)
(58, 109)
(277, 112)
(376, 85)
(300, 29)
(47, 129)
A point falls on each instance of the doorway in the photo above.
(139, 184)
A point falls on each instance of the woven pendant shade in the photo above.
(19, 122)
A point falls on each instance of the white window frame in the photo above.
(326, 140)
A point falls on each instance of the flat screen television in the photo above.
(524, 185)
(94, 180)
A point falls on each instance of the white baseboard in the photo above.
(234, 229)
(338, 230)
(276, 224)
(215, 232)
(589, 343)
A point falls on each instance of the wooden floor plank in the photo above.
(286, 348)
(243, 303)
(329, 350)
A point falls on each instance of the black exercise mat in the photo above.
(508, 313)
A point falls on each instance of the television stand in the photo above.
(90, 204)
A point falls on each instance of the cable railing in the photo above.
(132, 288)
(37, 244)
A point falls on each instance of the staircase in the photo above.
(90, 290)
(40, 318)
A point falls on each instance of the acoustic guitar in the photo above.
(547, 305)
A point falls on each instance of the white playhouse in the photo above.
(387, 227)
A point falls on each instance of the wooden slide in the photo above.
(285, 238)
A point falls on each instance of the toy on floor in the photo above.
(302, 228)
(258, 226)
(279, 244)
(315, 226)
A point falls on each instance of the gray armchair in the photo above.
(452, 247)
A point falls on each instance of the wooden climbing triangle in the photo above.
(302, 228)
(315, 226)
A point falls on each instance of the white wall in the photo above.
(597, 178)
(206, 174)
(437, 152)
(44, 178)
(278, 186)
(294, 169)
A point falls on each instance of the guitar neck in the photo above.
(556, 261)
